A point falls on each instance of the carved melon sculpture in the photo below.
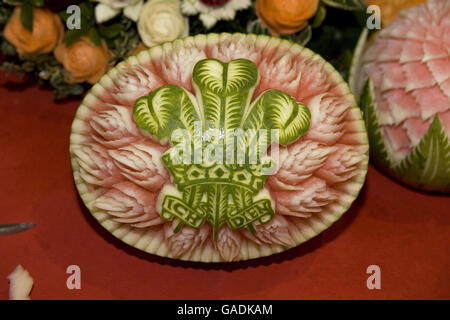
(219, 148)
(403, 79)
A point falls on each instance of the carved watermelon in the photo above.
(124, 148)
(403, 78)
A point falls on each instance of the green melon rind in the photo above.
(427, 167)
(152, 240)
(428, 164)
(356, 61)
(378, 148)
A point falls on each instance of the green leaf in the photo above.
(7, 48)
(193, 195)
(225, 78)
(242, 198)
(125, 42)
(377, 146)
(73, 35)
(225, 89)
(87, 24)
(64, 15)
(428, 164)
(320, 16)
(275, 109)
(37, 3)
(346, 4)
(5, 14)
(217, 205)
(87, 10)
(26, 15)
(111, 31)
(13, 2)
(165, 110)
(356, 60)
(95, 37)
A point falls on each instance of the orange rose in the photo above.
(286, 16)
(83, 60)
(47, 32)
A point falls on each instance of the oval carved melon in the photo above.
(122, 148)
(403, 78)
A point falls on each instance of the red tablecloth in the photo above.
(405, 232)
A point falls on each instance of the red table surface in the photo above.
(405, 232)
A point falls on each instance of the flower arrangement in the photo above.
(69, 45)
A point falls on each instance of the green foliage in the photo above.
(47, 70)
(275, 109)
(5, 13)
(332, 32)
(26, 15)
(377, 146)
(87, 15)
(337, 36)
(319, 17)
(13, 2)
(428, 164)
(121, 37)
(111, 31)
(120, 34)
(165, 110)
(95, 37)
(346, 4)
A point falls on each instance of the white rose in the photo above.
(161, 21)
(117, 4)
(108, 9)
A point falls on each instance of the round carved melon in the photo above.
(122, 148)
(403, 78)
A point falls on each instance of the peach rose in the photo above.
(47, 32)
(83, 60)
(286, 16)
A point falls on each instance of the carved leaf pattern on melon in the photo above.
(409, 66)
(341, 165)
(235, 49)
(312, 198)
(298, 162)
(327, 115)
(126, 164)
(275, 231)
(175, 65)
(96, 167)
(114, 127)
(133, 80)
(228, 243)
(142, 165)
(285, 65)
(130, 204)
(186, 240)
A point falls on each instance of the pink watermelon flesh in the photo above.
(409, 64)
(123, 166)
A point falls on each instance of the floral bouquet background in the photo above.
(69, 45)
